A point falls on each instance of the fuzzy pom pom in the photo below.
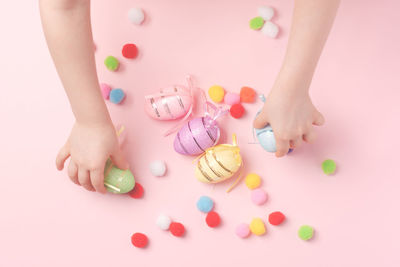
(237, 111)
(242, 230)
(256, 23)
(216, 93)
(231, 98)
(266, 12)
(137, 191)
(276, 218)
(247, 94)
(257, 226)
(105, 90)
(163, 222)
(213, 219)
(329, 166)
(158, 168)
(130, 51)
(177, 229)
(252, 181)
(111, 63)
(305, 232)
(139, 240)
(270, 29)
(205, 204)
(117, 95)
(259, 196)
(136, 15)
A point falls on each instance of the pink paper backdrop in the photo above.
(45, 220)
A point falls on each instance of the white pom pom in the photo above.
(266, 12)
(136, 15)
(158, 168)
(163, 222)
(270, 29)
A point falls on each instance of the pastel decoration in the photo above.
(252, 181)
(158, 168)
(276, 218)
(247, 94)
(139, 240)
(216, 93)
(329, 166)
(256, 23)
(237, 111)
(205, 204)
(266, 12)
(259, 196)
(257, 226)
(116, 180)
(137, 191)
(242, 230)
(177, 229)
(105, 90)
(231, 98)
(270, 29)
(111, 63)
(136, 15)
(117, 95)
(163, 222)
(305, 232)
(213, 219)
(130, 51)
(171, 102)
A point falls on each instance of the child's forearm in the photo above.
(312, 21)
(67, 27)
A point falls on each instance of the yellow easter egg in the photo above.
(216, 93)
(257, 226)
(252, 181)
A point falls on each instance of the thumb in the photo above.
(319, 119)
(260, 121)
(119, 160)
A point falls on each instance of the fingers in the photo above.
(295, 142)
(97, 178)
(62, 157)
(310, 136)
(319, 119)
(84, 179)
(119, 160)
(260, 121)
(282, 147)
(73, 172)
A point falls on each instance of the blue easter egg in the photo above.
(117, 95)
(266, 138)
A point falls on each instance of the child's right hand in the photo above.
(89, 147)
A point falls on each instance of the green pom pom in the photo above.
(111, 63)
(305, 232)
(329, 166)
(118, 181)
(256, 23)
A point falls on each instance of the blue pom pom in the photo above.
(205, 204)
(117, 95)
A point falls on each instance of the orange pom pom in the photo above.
(247, 94)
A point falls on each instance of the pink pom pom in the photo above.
(242, 230)
(232, 98)
(259, 196)
(105, 90)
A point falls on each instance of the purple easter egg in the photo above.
(196, 136)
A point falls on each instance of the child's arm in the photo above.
(288, 108)
(93, 140)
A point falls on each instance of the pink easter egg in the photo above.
(170, 103)
(231, 98)
(196, 136)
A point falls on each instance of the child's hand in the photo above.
(89, 147)
(291, 115)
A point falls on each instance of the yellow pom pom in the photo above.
(253, 181)
(216, 93)
(257, 226)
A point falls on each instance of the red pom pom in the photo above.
(276, 218)
(137, 191)
(139, 240)
(247, 95)
(237, 111)
(213, 219)
(130, 51)
(177, 229)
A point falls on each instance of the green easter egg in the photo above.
(329, 166)
(111, 63)
(116, 180)
(305, 232)
(256, 23)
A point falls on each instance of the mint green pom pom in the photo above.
(111, 63)
(329, 166)
(256, 23)
(118, 181)
(305, 232)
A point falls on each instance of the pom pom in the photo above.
(242, 230)
(205, 204)
(163, 222)
(213, 219)
(266, 12)
(139, 240)
(252, 181)
(158, 168)
(105, 90)
(259, 196)
(130, 51)
(136, 15)
(231, 99)
(247, 94)
(117, 95)
(257, 226)
(256, 23)
(216, 93)
(111, 63)
(276, 218)
(237, 111)
(305, 232)
(270, 29)
(177, 229)
(137, 191)
(329, 166)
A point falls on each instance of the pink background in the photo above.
(45, 220)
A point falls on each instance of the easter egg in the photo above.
(196, 136)
(266, 138)
(116, 180)
(170, 103)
